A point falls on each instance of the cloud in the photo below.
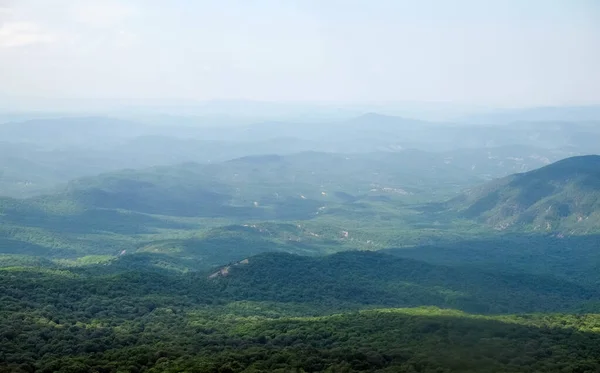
(75, 23)
(4, 5)
(5, 12)
(16, 34)
(102, 14)
(125, 39)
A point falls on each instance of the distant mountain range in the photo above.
(372, 130)
(34, 161)
(295, 185)
(537, 114)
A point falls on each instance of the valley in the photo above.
(386, 186)
(202, 256)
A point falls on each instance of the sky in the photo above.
(509, 53)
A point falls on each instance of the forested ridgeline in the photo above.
(280, 312)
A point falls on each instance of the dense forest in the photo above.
(278, 312)
(230, 257)
(299, 186)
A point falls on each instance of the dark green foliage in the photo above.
(111, 274)
(573, 258)
(145, 320)
(374, 279)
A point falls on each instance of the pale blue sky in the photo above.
(498, 53)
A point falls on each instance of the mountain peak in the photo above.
(584, 163)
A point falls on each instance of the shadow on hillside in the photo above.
(150, 263)
(423, 340)
(187, 201)
(10, 246)
(95, 221)
(374, 279)
(235, 243)
(418, 340)
(575, 258)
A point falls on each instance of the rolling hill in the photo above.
(304, 203)
(563, 196)
(268, 186)
(223, 267)
(282, 313)
(28, 170)
(370, 278)
(216, 212)
(40, 154)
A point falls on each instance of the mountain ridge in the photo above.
(559, 196)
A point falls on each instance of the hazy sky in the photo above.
(505, 53)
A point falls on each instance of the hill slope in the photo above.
(369, 278)
(563, 196)
(321, 203)
(72, 321)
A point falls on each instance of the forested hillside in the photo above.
(271, 263)
(564, 195)
(299, 186)
(278, 312)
